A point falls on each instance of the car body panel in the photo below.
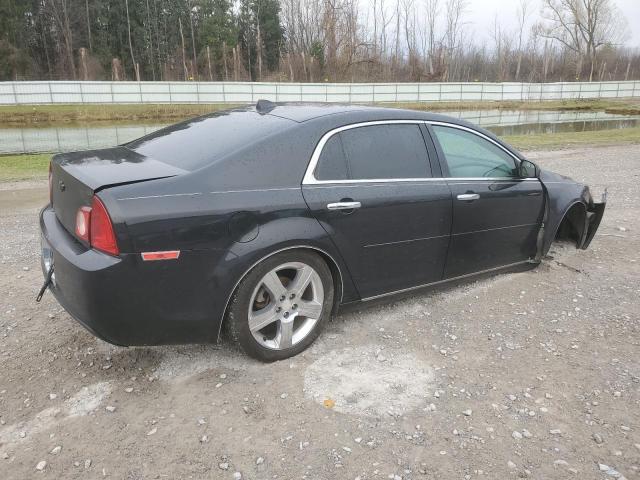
(249, 202)
(126, 301)
(398, 238)
(94, 168)
(499, 228)
(563, 193)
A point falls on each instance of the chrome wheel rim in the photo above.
(286, 305)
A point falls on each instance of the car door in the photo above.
(374, 190)
(496, 214)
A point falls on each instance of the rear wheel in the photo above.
(281, 306)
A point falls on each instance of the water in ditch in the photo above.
(501, 122)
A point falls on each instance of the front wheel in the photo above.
(281, 305)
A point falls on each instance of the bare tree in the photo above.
(224, 61)
(499, 48)
(330, 35)
(258, 43)
(210, 70)
(86, 4)
(396, 53)
(194, 68)
(522, 14)
(330, 40)
(59, 12)
(583, 27)
(409, 18)
(184, 59)
(133, 60)
(455, 10)
(433, 8)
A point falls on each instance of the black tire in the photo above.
(237, 319)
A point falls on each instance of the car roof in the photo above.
(301, 112)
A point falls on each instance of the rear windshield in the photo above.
(192, 144)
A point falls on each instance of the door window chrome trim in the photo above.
(375, 183)
(439, 180)
(310, 179)
(475, 132)
(474, 180)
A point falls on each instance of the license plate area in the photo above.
(47, 259)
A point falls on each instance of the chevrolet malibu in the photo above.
(266, 219)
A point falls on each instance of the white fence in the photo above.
(16, 93)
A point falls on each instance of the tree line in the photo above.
(310, 41)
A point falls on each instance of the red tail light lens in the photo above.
(93, 225)
(102, 235)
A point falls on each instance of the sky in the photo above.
(481, 13)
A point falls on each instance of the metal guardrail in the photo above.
(77, 92)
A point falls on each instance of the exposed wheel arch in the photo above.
(573, 225)
(336, 274)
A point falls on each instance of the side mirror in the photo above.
(528, 169)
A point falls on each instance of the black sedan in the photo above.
(267, 219)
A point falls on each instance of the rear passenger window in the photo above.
(332, 164)
(375, 152)
(386, 151)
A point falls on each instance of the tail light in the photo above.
(101, 232)
(50, 183)
(93, 225)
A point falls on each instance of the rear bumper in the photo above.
(126, 301)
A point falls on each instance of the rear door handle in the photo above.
(468, 196)
(343, 206)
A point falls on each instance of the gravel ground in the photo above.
(532, 374)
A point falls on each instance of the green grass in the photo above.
(44, 115)
(572, 139)
(23, 167)
(628, 107)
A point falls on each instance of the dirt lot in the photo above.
(533, 374)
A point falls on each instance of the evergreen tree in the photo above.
(216, 28)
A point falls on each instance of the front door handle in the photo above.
(468, 196)
(343, 206)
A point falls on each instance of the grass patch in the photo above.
(571, 139)
(44, 115)
(625, 107)
(24, 167)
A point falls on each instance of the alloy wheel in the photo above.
(285, 305)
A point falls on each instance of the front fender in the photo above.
(563, 194)
(594, 217)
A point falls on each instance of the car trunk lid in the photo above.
(77, 176)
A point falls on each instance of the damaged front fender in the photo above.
(595, 211)
(570, 212)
